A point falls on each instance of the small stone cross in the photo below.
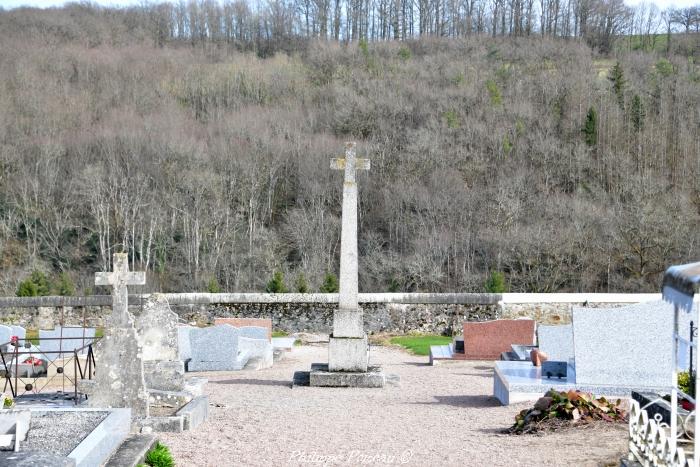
(119, 279)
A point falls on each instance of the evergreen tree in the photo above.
(638, 113)
(617, 76)
(330, 284)
(64, 286)
(496, 283)
(36, 285)
(590, 128)
(302, 285)
(276, 284)
(213, 285)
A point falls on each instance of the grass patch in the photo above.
(280, 333)
(159, 456)
(420, 345)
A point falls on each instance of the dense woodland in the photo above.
(554, 142)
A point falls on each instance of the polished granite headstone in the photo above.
(627, 346)
(486, 340)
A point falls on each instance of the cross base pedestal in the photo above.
(348, 353)
(320, 377)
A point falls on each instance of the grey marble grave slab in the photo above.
(629, 346)
(557, 342)
(215, 348)
(73, 338)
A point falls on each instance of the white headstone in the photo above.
(65, 340)
(5, 334)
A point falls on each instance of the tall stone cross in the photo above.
(347, 321)
(119, 279)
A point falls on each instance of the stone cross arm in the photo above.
(120, 275)
(360, 164)
(113, 278)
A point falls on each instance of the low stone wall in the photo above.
(390, 313)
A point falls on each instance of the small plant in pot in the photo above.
(686, 383)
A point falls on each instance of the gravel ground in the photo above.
(59, 432)
(442, 415)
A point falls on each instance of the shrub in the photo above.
(159, 456)
(404, 53)
(330, 284)
(276, 284)
(496, 283)
(301, 284)
(64, 286)
(36, 285)
(213, 286)
(452, 119)
(494, 92)
(664, 68)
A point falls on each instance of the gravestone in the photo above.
(486, 340)
(157, 329)
(5, 334)
(183, 342)
(53, 347)
(214, 348)
(628, 346)
(557, 342)
(348, 349)
(158, 335)
(119, 376)
(246, 322)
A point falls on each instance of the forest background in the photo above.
(515, 145)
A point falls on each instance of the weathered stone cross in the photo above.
(347, 348)
(119, 279)
(347, 299)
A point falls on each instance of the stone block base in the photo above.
(348, 354)
(320, 377)
(164, 375)
(195, 413)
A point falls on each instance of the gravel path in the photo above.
(441, 415)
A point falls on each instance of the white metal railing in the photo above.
(649, 444)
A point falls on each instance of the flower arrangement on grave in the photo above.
(567, 408)
(686, 383)
(34, 361)
(14, 341)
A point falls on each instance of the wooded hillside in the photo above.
(208, 161)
